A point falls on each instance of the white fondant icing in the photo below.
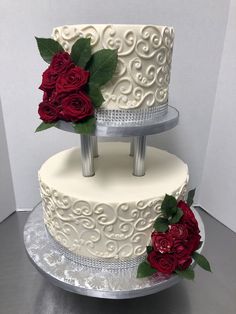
(144, 61)
(109, 215)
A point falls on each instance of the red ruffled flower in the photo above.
(72, 80)
(187, 212)
(49, 81)
(47, 112)
(61, 62)
(194, 242)
(173, 249)
(162, 242)
(164, 263)
(76, 107)
(192, 227)
(181, 249)
(184, 263)
(178, 231)
(47, 95)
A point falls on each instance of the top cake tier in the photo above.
(144, 61)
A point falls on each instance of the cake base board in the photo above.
(79, 279)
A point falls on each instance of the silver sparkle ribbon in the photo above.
(112, 264)
(131, 116)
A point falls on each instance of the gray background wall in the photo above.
(200, 29)
(7, 197)
(218, 184)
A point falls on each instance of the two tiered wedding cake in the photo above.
(110, 215)
(113, 74)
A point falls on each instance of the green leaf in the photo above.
(176, 218)
(44, 126)
(201, 261)
(47, 48)
(171, 211)
(145, 270)
(168, 205)
(149, 249)
(95, 95)
(200, 245)
(102, 66)
(187, 273)
(190, 197)
(81, 52)
(161, 224)
(86, 127)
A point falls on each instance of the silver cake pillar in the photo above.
(87, 153)
(139, 156)
(138, 131)
(131, 153)
(95, 146)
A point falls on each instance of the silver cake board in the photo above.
(114, 130)
(73, 277)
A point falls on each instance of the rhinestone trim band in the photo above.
(114, 265)
(131, 116)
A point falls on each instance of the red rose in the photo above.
(47, 112)
(77, 107)
(72, 80)
(194, 237)
(192, 228)
(190, 222)
(184, 263)
(58, 107)
(194, 242)
(56, 99)
(178, 231)
(164, 263)
(61, 61)
(187, 212)
(182, 250)
(49, 80)
(162, 242)
(46, 96)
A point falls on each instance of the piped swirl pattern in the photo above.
(144, 61)
(101, 230)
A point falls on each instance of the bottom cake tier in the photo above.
(108, 217)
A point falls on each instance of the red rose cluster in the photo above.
(64, 96)
(172, 250)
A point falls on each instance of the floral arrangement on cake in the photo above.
(174, 241)
(72, 83)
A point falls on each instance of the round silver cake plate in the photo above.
(73, 277)
(149, 127)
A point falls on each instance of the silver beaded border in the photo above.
(112, 265)
(131, 116)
